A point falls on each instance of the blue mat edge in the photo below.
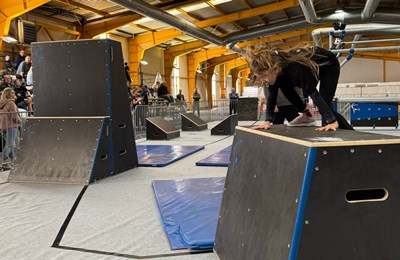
(162, 218)
(212, 164)
(200, 147)
(202, 163)
(182, 238)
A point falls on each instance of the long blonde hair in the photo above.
(261, 58)
(7, 93)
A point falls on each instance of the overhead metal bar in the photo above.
(374, 41)
(148, 10)
(386, 48)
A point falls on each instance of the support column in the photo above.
(209, 74)
(221, 78)
(192, 67)
(135, 56)
(4, 27)
(244, 74)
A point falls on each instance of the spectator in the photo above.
(162, 92)
(24, 67)
(155, 87)
(19, 58)
(8, 65)
(6, 83)
(196, 101)
(24, 98)
(233, 101)
(29, 79)
(144, 94)
(136, 99)
(9, 123)
(180, 97)
(127, 72)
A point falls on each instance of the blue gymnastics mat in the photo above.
(162, 155)
(189, 210)
(218, 159)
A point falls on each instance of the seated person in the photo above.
(8, 65)
(24, 98)
(6, 82)
(162, 92)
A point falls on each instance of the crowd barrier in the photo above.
(209, 111)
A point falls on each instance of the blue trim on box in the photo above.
(108, 58)
(310, 164)
(97, 149)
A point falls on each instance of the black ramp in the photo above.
(226, 126)
(294, 193)
(58, 151)
(191, 122)
(157, 128)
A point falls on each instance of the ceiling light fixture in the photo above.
(9, 39)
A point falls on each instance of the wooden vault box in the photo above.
(295, 193)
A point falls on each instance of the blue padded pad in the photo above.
(218, 159)
(162, 155)
(189, 210)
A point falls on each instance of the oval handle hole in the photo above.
(367, 195)
(104, 157)
(122, 152)
(123, 125)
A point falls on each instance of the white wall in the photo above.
(366, 70)
(155, 60)
(392, 71)
(124, 45)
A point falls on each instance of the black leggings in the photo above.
(289, 113)
(328, 76)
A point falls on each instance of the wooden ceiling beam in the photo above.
(269, 8)
(85, 7)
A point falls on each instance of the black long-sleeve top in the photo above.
(298, 75)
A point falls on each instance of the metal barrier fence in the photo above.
(11, 124)
(209, 111)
